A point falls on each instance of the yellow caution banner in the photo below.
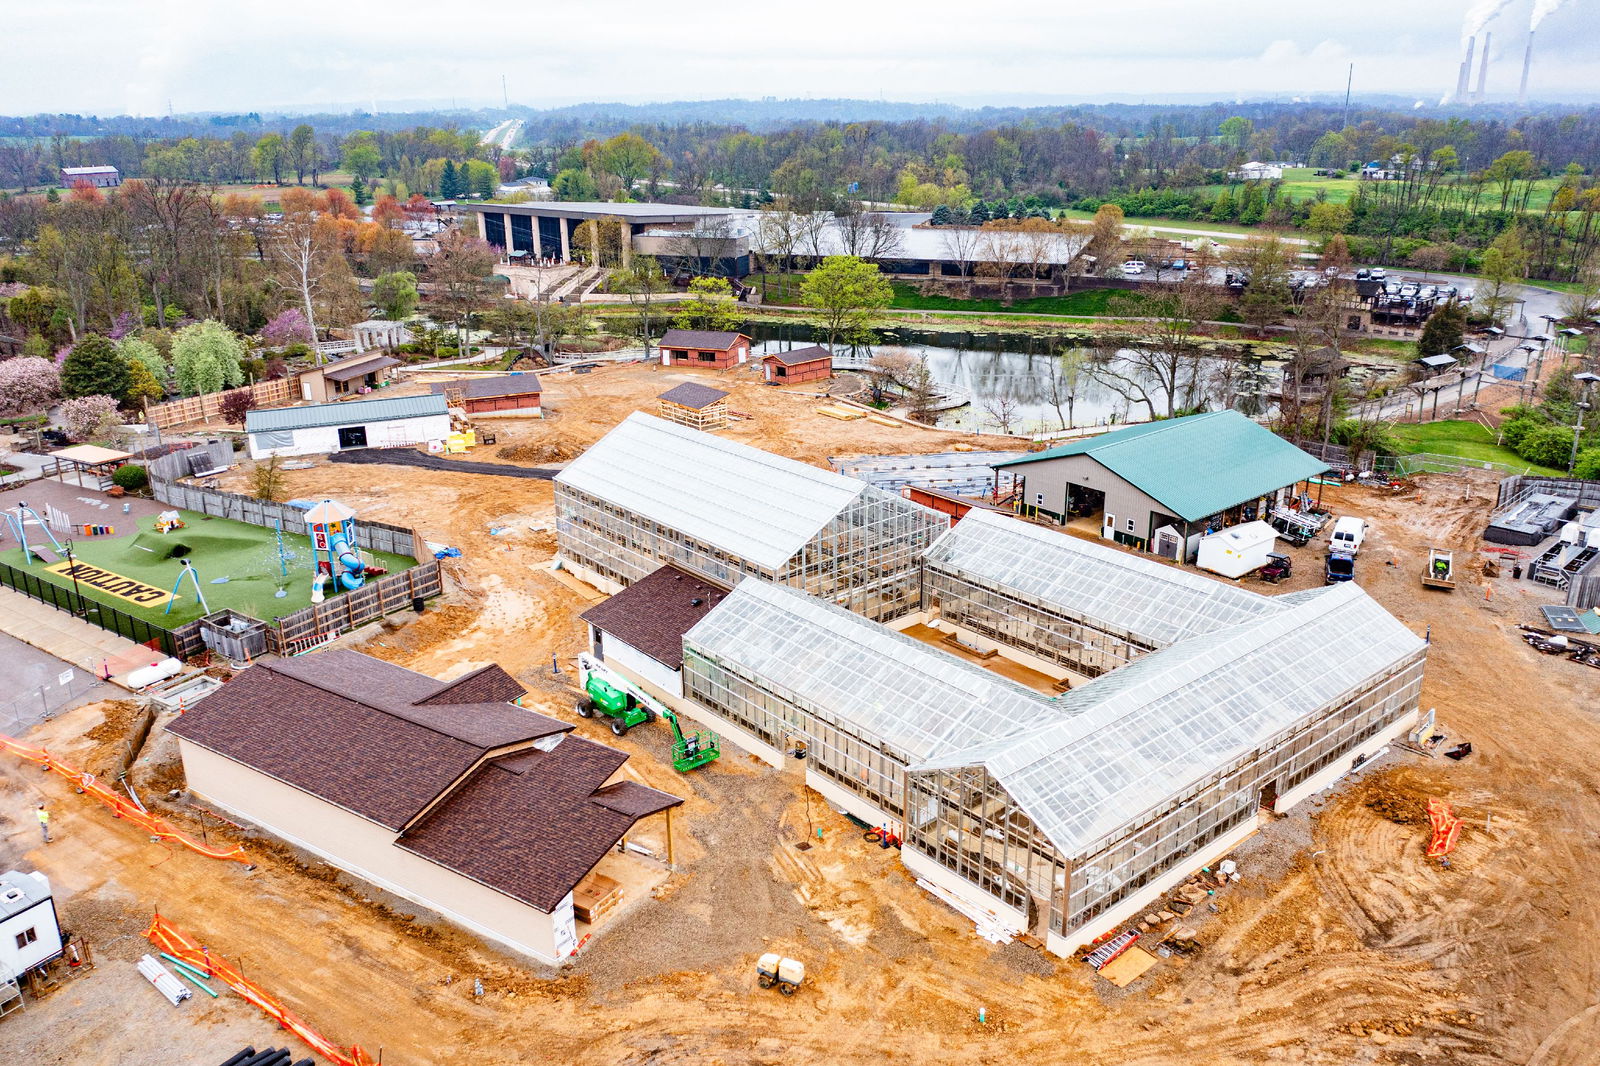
(112, 584)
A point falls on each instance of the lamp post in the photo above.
(1588, 378)
(77, 593)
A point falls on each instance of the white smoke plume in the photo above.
(1543, 9)
(1484, 11)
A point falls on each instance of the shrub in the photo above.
(1588, 465)
(1547, 446)
(131, 476)
(235, 405)
(1514, 432)
(88, 417)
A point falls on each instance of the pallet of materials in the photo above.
(844, 414)
(596, 896)
(175, 990)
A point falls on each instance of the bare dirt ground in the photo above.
(1342, 943)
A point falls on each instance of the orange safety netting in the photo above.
(1446, 829)
(120, 807)
(166, 937)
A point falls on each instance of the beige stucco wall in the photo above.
(368, 851)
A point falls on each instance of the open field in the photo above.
(1470, 440)
(245, 556)
(1341, 944)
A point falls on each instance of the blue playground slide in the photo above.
(352, 577)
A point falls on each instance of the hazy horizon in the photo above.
(159, 54)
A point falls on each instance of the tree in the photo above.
(961, 244)
(1326, 219)
(94, 369)
(138, 350)
(266, 481)
(236, 405)
(460, 271)
(1548, 446)
(1236, 131)
(143, 387)
(922, 393)
(1443, 332)
(308, 253)
(574, 184)
(642, 281)
(207, 357)
(449, 181)
(89, 417)
(478, 178)
(710, 306)
(941, 216)
(396, 295)
(629, 157)
(848, 294)
(1505, 264)
(1067, 374)
(1588, 465)
(28, 385)
(1159, 365)
(1106, 232)
(361, 157)
(301, 151)
(286, 328)
(131, 477)
(1004, 410)
(268, 158)
(1264, 265)
(867, 234)
(1428, 258)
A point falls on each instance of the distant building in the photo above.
(507, 394)
(704, 348)
(1254, 171)
(97, 177)
(801, 364)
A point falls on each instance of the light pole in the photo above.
(1588, 380)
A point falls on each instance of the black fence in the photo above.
(178, 642)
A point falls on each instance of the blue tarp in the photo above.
(1510, 373)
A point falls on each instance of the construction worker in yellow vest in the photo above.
(44, 823)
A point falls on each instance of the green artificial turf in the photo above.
(246, 555)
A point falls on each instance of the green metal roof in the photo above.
(352, 413)
(1194, 466)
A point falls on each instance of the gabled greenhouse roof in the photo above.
(742, 500)
(1115, 589)
(1142, 734)
(914, 698)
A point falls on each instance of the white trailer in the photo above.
(1237, 550)
(30, 933)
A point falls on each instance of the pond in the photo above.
(1022, 368)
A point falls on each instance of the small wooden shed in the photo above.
(814, 363)
(696, 406)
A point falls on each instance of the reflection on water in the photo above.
(1025, 369)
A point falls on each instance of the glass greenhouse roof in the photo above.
(1120, 591)
(1144, 733)
(915, 699)
(742, 500)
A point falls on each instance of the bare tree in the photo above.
(779, 231)
(709, 242)
(961, 246)
(889, 371)
(1067, 374)
(1160, 363)
(922, 393)
(1000, 252)
(1003, 410)
(867, 234)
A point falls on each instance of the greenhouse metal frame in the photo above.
(651, 492)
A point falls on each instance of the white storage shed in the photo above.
(1237, 550)
(30, 933)
(317, 429)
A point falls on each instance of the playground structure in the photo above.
(18, 524)
(188, 570)
(335, 553)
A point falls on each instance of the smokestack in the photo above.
(1483, 67)
(1464, 78)
(1527, 63)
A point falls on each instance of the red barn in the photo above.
(710, 349)
(802, 364)
(509, 394)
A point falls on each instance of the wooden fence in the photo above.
(208, 408)
(305, 628)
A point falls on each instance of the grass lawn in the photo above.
(1468, 440)
(1089, 302)
(244, 554)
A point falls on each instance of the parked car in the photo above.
(1133, 266)
(1348, 533)
(1340, 567)
(1180, 264)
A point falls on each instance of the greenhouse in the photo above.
(1167, 761)
(651, 492)
(865, 701)
(1085, 606)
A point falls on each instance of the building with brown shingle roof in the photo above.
(447, 794)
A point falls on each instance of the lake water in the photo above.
(993, 365)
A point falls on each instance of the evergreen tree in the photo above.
(1442, 333)
(449, 181)
(941, 216)
(94, 368)
(979, 214)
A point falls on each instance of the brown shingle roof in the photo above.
(654, 613)
(707, 339)
(797, 356)
(358, 366)
(532, 825)
(693, 396)
(488, 684)
(486, 388)
(350, 730)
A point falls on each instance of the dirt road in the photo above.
(1342, 943)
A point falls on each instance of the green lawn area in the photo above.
(244, 554)
(1089, 302)
(1469, 440)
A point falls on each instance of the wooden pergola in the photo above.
(91, 458)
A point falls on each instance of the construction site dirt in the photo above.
(1340, 943)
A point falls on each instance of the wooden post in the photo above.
(670, 855)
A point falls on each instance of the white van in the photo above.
(1348, 533)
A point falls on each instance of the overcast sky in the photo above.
(136, 56)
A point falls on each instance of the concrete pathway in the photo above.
(72, 640)
(39, 686)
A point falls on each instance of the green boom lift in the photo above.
(607, 693)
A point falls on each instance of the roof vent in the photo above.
(12, 894)
(696, 602)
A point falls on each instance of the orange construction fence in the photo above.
(1446, 829)
(120, 806)
(168, 938)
